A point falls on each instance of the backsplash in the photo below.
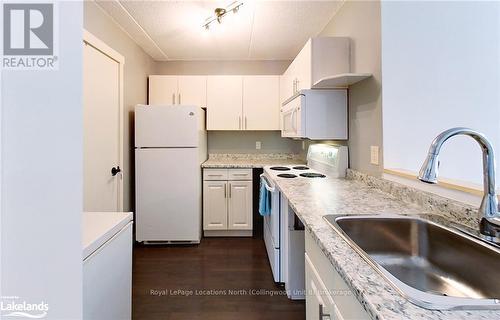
(257, 156)
(244, 142)
(450, 209)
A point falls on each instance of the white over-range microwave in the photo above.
(316, 115)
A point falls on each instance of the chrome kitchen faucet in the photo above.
(489, 211)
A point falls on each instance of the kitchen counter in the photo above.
(250, 160)
(311, 199)
(99, 227)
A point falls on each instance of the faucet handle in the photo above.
(489, 229)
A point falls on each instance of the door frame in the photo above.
(98, 44)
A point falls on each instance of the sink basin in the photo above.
(433, 266)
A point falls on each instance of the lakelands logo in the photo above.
(16, 307)
(29, 36)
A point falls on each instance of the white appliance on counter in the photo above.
(283, 231)
(170, 146)
(316, 115)
(107, 265)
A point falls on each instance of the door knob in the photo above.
(115, 170)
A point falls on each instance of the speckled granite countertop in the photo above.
(250, 160)
(311, 199)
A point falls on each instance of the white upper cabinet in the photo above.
(192, 90)
(224, 103)
(162, 90)
(261, 105)
(320, 57)
(170, 90)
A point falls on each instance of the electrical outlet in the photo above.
(374, 155)
(258, 145)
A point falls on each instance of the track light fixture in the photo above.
(219, 13)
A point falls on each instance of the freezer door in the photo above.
(167, 126)
(168, 194)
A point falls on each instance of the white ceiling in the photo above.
(260, 30)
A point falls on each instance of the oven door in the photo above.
(291, 118)
(272, 230)
(273, 220)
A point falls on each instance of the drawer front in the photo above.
(214, 174)
(240, 174)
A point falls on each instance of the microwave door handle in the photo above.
(294, 125)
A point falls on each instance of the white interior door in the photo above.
(101, 103)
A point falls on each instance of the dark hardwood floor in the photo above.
(168, 283)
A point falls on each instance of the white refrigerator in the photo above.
(170, 146)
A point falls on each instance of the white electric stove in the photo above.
(283, 233)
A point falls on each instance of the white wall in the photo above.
(41, 179)
(360, 21)
(441, 69)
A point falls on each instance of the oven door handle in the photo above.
(266, 184)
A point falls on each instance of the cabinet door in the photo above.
(240, 205)
(319, 303)
(214, 205)
(287, 84)
(261, 102)
(192, 90)
(224, 102)
(162, 90)
(302, 67)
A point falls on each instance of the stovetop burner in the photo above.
(312, 175)
(301, 168)
(287, 175)
(280, 168)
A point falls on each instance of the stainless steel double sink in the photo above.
(433, 266)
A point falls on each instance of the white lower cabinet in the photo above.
(227, 202)
(240, 205)
(107, 279)
(215, 205)
(327, 294)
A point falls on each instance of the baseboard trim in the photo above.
(227, 233)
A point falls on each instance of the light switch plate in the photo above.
(258, 145)
(374, 151)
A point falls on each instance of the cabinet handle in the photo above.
(229, 190)
(239, 123)
(225, 190)
(240, 174)
(173, 98)
(246, 126)
(179, 98)
(322, 315)
(215, 175)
